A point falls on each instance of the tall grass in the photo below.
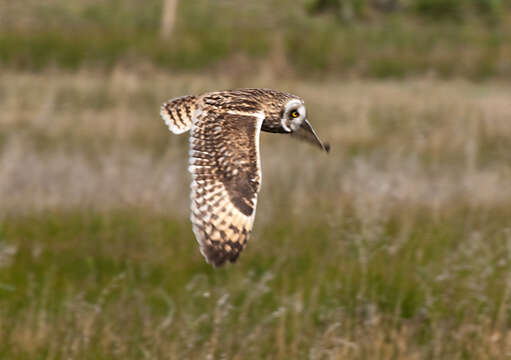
(394, 246)
(457, 10)
(215, 35)
(131, 284)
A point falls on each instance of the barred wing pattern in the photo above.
(226, 177)
(178, 113)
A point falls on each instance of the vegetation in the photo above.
(458, 10)
(283, 35)
(396, 245)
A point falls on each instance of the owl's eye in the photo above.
(294, 114)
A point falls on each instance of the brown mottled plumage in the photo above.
(178, 113)
(224, 158)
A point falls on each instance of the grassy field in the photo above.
(397, 245)
(281, 35)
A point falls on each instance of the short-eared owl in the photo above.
(224, 158)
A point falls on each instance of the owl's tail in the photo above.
(177, 113)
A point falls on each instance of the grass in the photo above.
(394, 246)
(280, 35)
(126, 284)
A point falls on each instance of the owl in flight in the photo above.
(225, 159)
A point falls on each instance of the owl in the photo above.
(224, 158)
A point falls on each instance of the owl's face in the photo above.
(290, 116)
(284, 113)
(293, 115)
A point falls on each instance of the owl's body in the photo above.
(225, 159)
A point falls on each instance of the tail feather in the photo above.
(177, 113)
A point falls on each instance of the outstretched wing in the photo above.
(226, 176)
(177, 113)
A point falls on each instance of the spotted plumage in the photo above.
(225, 159)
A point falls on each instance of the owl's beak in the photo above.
(307, 133)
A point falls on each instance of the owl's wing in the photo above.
(177, 113)
(226, 176)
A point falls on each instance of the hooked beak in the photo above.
(307, 133)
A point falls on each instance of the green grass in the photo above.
(396, 245)
(128, 283)
(210, 36)
(72, 49)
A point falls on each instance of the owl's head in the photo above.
(290, 116)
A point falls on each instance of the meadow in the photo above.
(223, 35)
(396, 245)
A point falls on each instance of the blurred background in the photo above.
(396, 245)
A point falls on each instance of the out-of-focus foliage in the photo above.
(348, 10)
(396, 245)
(385, 38)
